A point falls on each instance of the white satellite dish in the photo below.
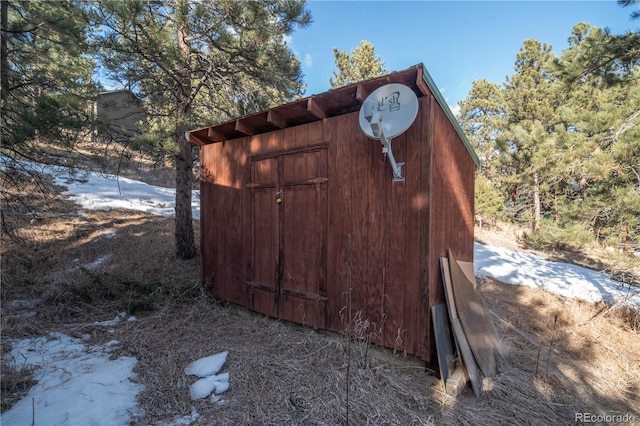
(386, 113)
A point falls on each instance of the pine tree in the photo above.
(483, 118)
(488, 201)
(46, 83)
(196, 63)
(45, 92)
(567, 135)
(531, 99)
(600, 138)
(362, 64)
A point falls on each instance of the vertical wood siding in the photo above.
(289, 259)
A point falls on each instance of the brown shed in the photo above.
(283, 190)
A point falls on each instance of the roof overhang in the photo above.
(342, 100)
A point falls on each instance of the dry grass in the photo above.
(282, 373)
(594, 358)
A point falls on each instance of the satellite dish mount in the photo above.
(386, 113)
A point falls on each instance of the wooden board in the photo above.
(468, 271)
(457, 381)
(474, 319)
(444, 344)
(467, 356)
(448, 287)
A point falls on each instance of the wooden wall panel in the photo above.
(222, 203)
(355, 208)
(415, 208)
(398, 229)
(385, 234)
(338, 226)
(395, 278)
(233, 253)
(314, 132)
(301, 311)
(265, 236)
(290, 137)
(299, 167)
(304, 185)
(365, 166)
(264, 143)
(263, 301)
(424, 200)
(452, 199)
(373, 223)
(206, 197)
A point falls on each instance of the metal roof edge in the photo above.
(445, 107)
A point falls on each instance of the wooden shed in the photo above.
(283, 192)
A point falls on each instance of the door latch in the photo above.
(279, 197)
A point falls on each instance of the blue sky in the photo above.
(457, 41)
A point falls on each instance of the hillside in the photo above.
(72, 270)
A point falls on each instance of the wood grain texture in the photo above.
(474, 319)
(288, 259)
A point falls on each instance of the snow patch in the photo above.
(77, 384)
(565, 279)
(115, 321)
(99, 261)
(181, 420)
(105, 192)
(24, 308)
(206, 366)
(98, 191)
(210, 382)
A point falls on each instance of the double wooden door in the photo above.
(287, 274)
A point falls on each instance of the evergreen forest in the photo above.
(559, 141)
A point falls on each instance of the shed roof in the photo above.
(334, 102)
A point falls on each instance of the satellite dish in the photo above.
(397, 105)
(386, 113)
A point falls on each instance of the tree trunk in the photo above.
(4, 60)
(536, 202)
(185, 246)
(625, 240)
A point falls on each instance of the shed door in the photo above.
(288, 274)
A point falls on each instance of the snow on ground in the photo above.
(210, 383)
(79, 384)
(520, 268)
(98, 191)
(105, 192)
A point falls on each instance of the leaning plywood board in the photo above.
(444, 345)
(468, 271)
(467, 357)
(474, 319)
(469, 370)
(448, 288)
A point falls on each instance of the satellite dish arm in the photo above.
(396, 167)
(389, 109)
(374, 118)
